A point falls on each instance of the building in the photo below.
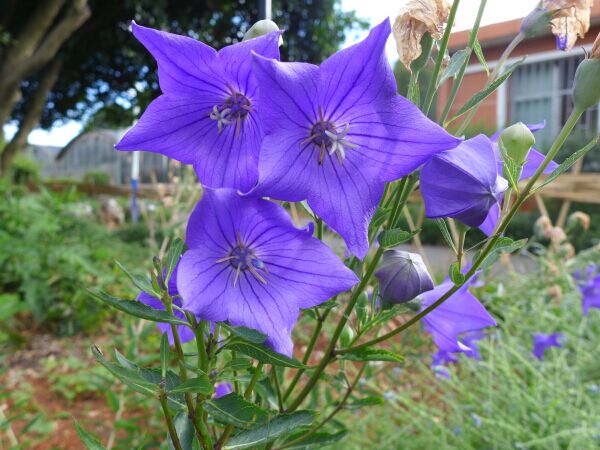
(539, 89)
(94, 151)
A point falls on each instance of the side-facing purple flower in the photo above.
(207, 115)
(590, 294)
(463, 183)
(460, 313)
(534, 160)
(185, 333)
(402, 276)
(541, 342)
(222, 389)
(335, 134)
(248, 264)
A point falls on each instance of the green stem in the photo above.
(431, 89)
(277, 388)
(556, 146)
(319, 228)
(169, 420)
(505, 55)
(459, 77)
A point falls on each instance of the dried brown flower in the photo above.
(571, 20)
(415, 19)
(596, 48)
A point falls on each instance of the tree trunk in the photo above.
(36, 45)
(32, 116)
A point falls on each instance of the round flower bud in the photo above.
(402, 276)
(586, 87)
(347, 336)
(261, 28)
(517, 140)
(536, 21)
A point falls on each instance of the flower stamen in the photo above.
(234, 109)
(326, 136)
(242, 258)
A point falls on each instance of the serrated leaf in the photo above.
(279, 426)
(185, 431)
(457, 60)
(568, 163)
(235, 410)
(485, 92)
(455, 274)
(392, 238)
(317, 440)
(140, 282)
(90, 441)
(480, 56)
(249, 334)
(441, 224)
(138, 309)
(172, 257)
(263, 354)
(503, 245)
(372, 354)
(199, 385)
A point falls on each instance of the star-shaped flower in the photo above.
(541, 342)
(335, 134)
(248, 264)
(207, 115)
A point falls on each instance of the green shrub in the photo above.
(97, 177)
(24, 171)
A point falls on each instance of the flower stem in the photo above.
(431, 89)
(461, 73)
(169, 420)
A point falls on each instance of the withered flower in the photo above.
(596, 48)
(571, 19)
(415, 19)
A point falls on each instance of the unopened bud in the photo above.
(517, 140)
(347, 336)
(261, 28)
(536, 22)
(402, 276)
(586, 87)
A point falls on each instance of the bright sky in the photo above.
(372, 10)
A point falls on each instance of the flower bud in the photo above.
(579, 219)
(347, 336)
(517, 140)
(261, 28)
(402, 276)
(586, 87)
(535, 22)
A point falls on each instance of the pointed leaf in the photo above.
(172, 257)
(372, 354)
(140, 282)
(199, 385)
(480, 57)
(441, 223)
(90, 441)
(319, 439)
(392, 238)
(185, 431)
(235, 410)
(457, 60)
(503, 245)
(263, 354)
(366, 401)
(249, 334)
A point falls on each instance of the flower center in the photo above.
(243, 258)
(233, 110)
(329, 139)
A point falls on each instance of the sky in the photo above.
(373, 11)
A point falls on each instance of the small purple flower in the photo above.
(222, 389)
(335, 134)
(248, 264)
(561, 42)
(590, 294)
(402, 276)
(185, 333)
(534, 160)
(463, 183)
(207, 115)
(460, 313)
(471, 340)
(541, 342)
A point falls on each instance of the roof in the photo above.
(110, 135)
(503, 32)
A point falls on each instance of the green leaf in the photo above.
(199, 385)
(185, 431)
(511, 169)
(164, 354)
(372, 354)
(235, 410)
(485, 92)
(480, 57)
(317, 440)
(379, 218)
(457, 60)
(387, 315)
(455, 274)
(238, 364)
(441, 223)
(263, 354)
(503, 245)
(392, 238)
(138, 309)
(366, 401)
(90, 441)
(172, 257)
(279, 426)
(249, 334)
(567, 163)
(140, 282)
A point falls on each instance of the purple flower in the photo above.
(402, 276)
(185, 333)
(335, 134)
(463, 183)
(460, 313)
(222, 389)
(471, 340)
(543, 341)
(207, 113)
(534, 160)
(590, 294)
(247, 264)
